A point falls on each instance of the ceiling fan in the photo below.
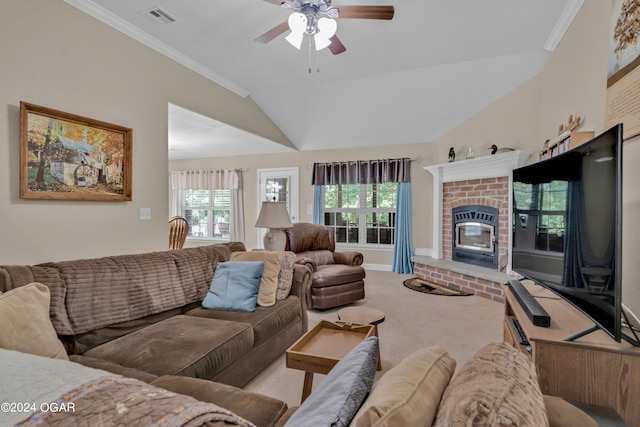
(317, 18)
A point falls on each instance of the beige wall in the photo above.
(53, 55)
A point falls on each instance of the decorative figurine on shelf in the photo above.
(470, 155)
(494, 149)
(573, 123)
(452, 155)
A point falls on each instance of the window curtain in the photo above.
(228, 179)
(317, 204)
(375, 172)
(403, 246)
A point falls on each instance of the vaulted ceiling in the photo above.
(402, 81)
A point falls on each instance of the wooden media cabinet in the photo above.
(594, 369)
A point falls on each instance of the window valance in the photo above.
(228, 179)
(362, 172)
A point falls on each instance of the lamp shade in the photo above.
(274, 215)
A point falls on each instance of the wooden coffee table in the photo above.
(322, 347)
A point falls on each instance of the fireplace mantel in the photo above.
(492, 166)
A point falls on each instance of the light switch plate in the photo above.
(145, 214)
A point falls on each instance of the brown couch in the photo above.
(140, 315)
(338, 277)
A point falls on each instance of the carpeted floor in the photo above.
(413, 320)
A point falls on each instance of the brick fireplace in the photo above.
(483, 181)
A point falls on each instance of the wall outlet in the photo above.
(145, 214)
(309, 208)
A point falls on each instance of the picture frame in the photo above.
(64, 156)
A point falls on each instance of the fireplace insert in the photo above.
(475, 231)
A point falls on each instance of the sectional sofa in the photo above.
(142, 313)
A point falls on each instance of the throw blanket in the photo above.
(116, 401)
(54, 392)
(93, 293)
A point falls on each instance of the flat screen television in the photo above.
(567, 228)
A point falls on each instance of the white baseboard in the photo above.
(424, 252)
(376, 267)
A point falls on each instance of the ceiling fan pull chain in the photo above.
(309, 54)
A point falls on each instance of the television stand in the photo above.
(594, 369)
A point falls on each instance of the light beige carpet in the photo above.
(413, 320)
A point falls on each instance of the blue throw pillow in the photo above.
(338, 397)
(235, 286)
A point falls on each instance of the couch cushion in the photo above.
(304, 236)
(26, 327)
(563, 414)
(181, 345)
(338, 397)
(257, 408)
(269, 281)
(285, 276)
(336, 274)
(409, 393)
(266, 321)
(235, 286)
(497, 387)
(114, 368)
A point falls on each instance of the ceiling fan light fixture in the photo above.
(321, 42)
(297, 22)
(327, 27)
(295, 39)
(298, 25)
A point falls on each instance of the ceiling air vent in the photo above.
(158, 15)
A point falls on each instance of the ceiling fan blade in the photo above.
(273, 33)
(336, 47)
(366, 12)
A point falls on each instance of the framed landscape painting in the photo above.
(68, 157)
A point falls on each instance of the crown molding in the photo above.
(566, 18)
(102, 14)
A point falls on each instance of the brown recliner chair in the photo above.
(337, 277)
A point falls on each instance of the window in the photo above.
(542, 207)
(361, 213)
(208, 213)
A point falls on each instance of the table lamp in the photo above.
(274, 216)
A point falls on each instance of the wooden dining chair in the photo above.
(178, 229)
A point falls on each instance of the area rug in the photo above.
(431, 288)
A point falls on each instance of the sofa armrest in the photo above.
(308, 262)
(259, 409)
(300, 288)
(348, 258)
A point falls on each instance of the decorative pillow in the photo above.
(409, 394)
(269, 282)
(234, 286)
(497, 387)
(26, 326)
(339, 396)
(285, 278)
